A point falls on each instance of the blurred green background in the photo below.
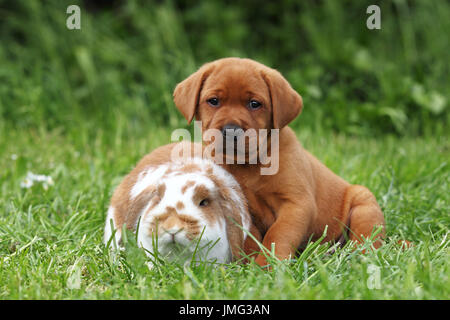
(118, 72)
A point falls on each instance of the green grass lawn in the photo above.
(51, 238)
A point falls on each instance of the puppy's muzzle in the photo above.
(232, 131)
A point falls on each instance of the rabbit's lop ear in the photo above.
(286, 102)
(237, 218)
(187, 93)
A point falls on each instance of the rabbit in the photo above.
(181, 206)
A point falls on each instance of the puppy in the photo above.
(184, 206)
(233, 95)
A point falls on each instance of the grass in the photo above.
(51, 240)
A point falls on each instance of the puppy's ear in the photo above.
(187, 93)
(286, 102)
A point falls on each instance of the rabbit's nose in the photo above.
(172, 232)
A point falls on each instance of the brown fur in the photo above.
(187, 186)
(304, 196)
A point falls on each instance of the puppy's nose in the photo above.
(231, 130)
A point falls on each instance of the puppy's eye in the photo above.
(253, 104)
(213, 102)
(204, 203)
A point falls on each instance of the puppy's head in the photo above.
(232, 94)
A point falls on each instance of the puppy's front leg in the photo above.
(289, 229)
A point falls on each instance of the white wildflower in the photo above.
(74, 278)
(31, 178)
(27, 183)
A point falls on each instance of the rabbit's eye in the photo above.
(204, 203)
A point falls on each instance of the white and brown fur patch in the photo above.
(188, 204)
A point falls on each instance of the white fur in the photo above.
(108, 230)
(150, 177)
